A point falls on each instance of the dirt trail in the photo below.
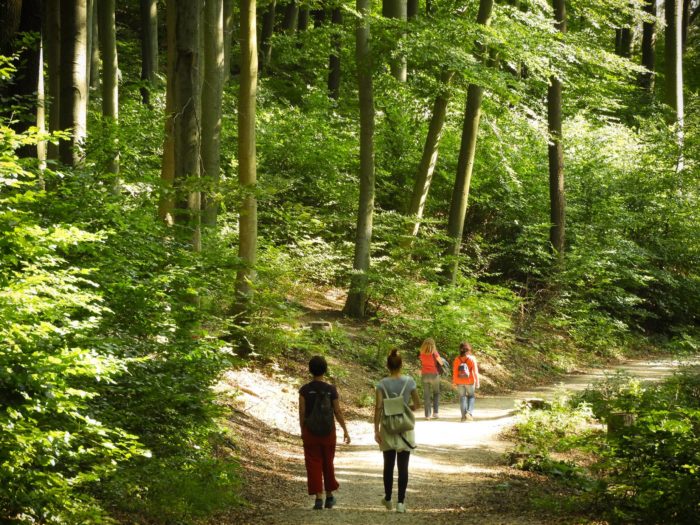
(457, 473)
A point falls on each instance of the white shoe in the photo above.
(386, 503)
(400, 507)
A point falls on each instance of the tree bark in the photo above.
(247, 167)
(110, 69)
(290, 23)
(228, 38)
(626, 42)
(356, 302)
(556, 149)
(268, 28)
(94, 55)
(303, 21)
(73, 105)
(212, 93)
(186, 101)
(674, 69)
(166, 204)
(90, 34)
(336, 49)
(149, 48)
(465, 162)
(41, 109)
(646, 78)
(426, 167)
(685, 24)
(52, 56)
(397, 9)
(412, 9)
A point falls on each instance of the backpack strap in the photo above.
(404, 388)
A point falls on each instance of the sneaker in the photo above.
(400, 507)
(464, 418)
(318, 504)
(386, 503)
(436, 416)
(470, 417)
(330, 501)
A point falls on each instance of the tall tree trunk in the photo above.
(228, 37)
(626, 42)
(556, 148)
(685, 23)
(41, 109)
(356, 302)
(465, 162)
(291, 17)
(336, 49)
(90, 34)
(303, 22)
(319, 15)
(94, 56)
(52, 55)
(186, 101)
(110, 69)
(426, 168)
(646, 78)
(211, 109)
(247, 167)
(149, 48)
(73, 105)
(166, 203)
(397, 9)
(412, 9)
(268, 28)
(674, 68)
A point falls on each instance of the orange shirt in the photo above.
(473, 378)
(428, 363)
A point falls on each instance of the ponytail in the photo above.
(394, 361)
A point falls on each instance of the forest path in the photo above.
(456, 473)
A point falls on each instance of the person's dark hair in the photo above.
(394, 361)
(464, 347)
(318, 365)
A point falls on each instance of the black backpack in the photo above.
(320, 421)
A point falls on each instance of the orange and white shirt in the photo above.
(473, 378)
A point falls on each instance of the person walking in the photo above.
(465, 378)
(396, 448)
(430, 377)
(319, 408)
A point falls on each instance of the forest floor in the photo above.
(459, 471)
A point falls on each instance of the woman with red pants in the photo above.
(319, 438)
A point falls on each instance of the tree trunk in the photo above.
(291, 17)
(397, 9)
(465, 162)
(149, 48)
(90, 37)
(41, 109)
(94, 55)
(429, 158)
(228, 37)
(319, 16)
(674, 68)
(73, 105)
(685, 24)
(186, 101)
(336, 48)
(247, 168)
(626, 42)
(110, 70)
(51, 30)
(412, 9)
(646, 79)
(556, 149)
(166, 204)
(303, 22)
(355, 306)
(214, 69)
(268, 28)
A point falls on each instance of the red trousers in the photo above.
(319, 452)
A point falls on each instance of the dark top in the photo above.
(309, 392)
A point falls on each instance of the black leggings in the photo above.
(390, 457)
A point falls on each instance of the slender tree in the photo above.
(556, 148)
(336, 49)
(266, 32)
(247, 167)
(646, 78)
(397, 9)
(303, 21)
(51, 29)
(110, 87)
(212, 92)
(412, 9)
(166, 204)
(290, 22)
(228, 37)
(426, 167)
(465, 162)
(94, 53)
(73, 104)
(149, 48)
(356, 302)
(674, 67)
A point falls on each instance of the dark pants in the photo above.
(401, 459)
(319, 453)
